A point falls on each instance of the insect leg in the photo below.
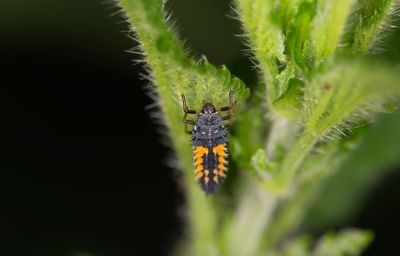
(227, 117)
(232, 107)
(231, 102)
(187, 111)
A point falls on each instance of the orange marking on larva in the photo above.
(199, 175)
(221, 151)
(199, 168)
(199, 152)
(199, 161)
(221, 173)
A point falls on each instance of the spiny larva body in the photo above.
(209, 139)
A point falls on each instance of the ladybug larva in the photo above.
(209, 139)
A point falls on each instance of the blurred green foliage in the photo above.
(373, 158)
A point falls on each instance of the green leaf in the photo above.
(328, 27)
(349, 93)
(298, 36)
(349, 242)
(370, 21)
(341, 98)
(345, 243)
(261, 166)
(266, 39)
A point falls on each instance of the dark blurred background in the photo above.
(82, 166)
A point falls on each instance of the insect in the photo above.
(209, 139)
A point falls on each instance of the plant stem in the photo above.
(254, 213)
(291, 163)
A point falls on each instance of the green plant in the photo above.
(323, 90)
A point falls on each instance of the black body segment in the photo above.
(209, 130)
